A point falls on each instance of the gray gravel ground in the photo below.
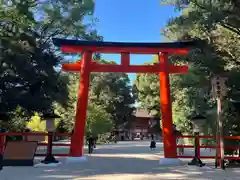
(125, 161)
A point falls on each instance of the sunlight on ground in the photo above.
(139, 156)
(133, 177)
(60, 177)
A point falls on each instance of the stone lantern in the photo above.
(198, 121)
(50, 117)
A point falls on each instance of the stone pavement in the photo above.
(123, 161)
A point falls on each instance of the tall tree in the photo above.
(98, 122)
(28, 77)
(28, 60)
(114, 92)
(109, 91)
(209, 14)
(191, 93)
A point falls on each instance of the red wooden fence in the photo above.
(26, 134)
(209, 146)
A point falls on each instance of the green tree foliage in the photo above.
(14, 124)
(110, 98)
(28, 77)
(28, 60)
(98, 120)
(113, 91)
(66, 18)
(68, 111)
(220, 53)
(147, 86)
(209, 14)
(36, 124)
(217, 23)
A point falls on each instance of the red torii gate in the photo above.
(86, 66)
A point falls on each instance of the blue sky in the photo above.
(132, 21)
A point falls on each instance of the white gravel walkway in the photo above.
(123, 161)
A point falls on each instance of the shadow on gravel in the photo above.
(104, 167)
(125, 163)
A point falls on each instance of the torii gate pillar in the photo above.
(170, 150)
(77, 140)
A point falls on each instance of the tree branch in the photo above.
(230, 28)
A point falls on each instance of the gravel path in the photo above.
(123, 161)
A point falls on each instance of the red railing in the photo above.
(25, 136)
(208, 146)
(49, 135)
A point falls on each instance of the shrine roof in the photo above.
(81, 43)
(139, 112)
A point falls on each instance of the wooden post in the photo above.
(125, 59)
(2, 143)
(221, 135)
(219, 91)
(217, 143)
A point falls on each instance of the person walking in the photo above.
(90, 144)
(152, 136)
(152, 143)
